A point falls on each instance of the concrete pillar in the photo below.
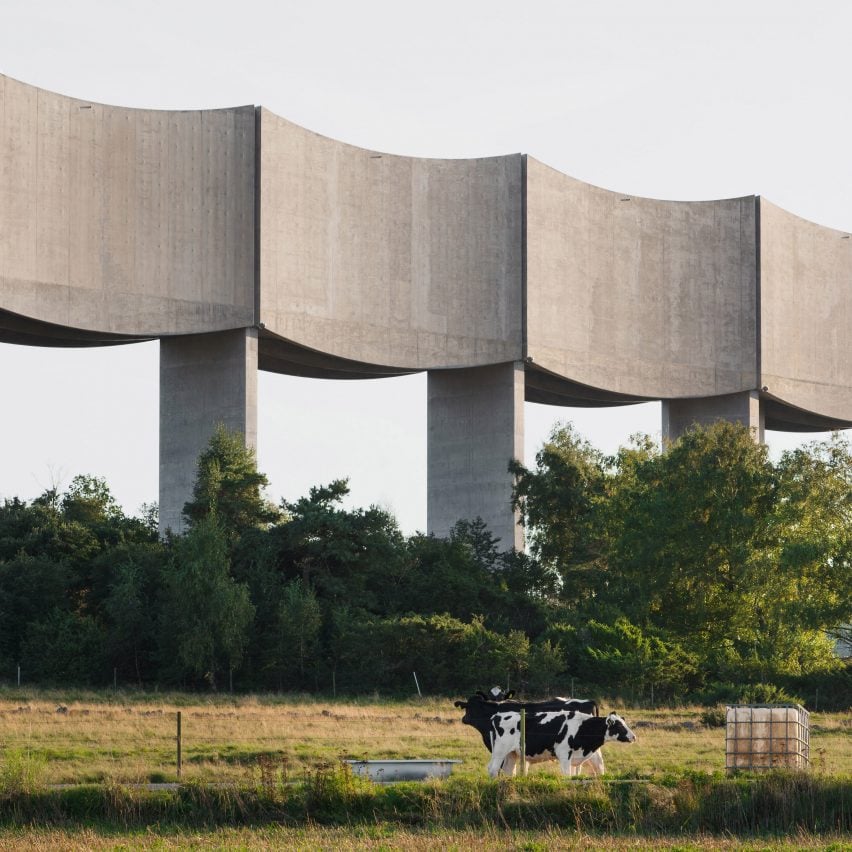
(205, 379)
(475, 426)
(680, 414)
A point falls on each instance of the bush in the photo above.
(767, 693)
(829, 691)
(714, 717)
(64, 648)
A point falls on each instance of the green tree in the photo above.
(299, 623)
(815, 515)
(229, 484)
(30, 586)
(64, 648)
(709, 540)
(560, 502)
(130, 609)
(206, 615)
(88, 501)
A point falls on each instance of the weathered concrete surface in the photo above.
(679, 415)
(475, 427)
(394, 261)
(806, 315)
(137, 222)
(205, 379)
(646, 298)
(119, 225)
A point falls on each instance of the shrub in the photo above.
(767, 693)
(714, 717)
(21, 772)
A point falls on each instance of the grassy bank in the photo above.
(777, 804)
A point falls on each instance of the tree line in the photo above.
(705, 572)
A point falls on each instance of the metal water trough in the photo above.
(402, 770)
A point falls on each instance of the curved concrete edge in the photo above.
(25, 331)
(399, 261)
(546, 388)
(781, 416)
(277, 355)
(640, 297)
(120, 224)
(125, 221)
(806, 313)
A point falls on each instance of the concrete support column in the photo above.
(680, 414)
(475, 426)
(205, 379)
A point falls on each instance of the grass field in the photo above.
(385, 838)
(273, 763)
(131, 738)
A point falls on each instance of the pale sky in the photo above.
(678, 100)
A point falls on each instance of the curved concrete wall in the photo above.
(124, 221)
(806, 314)
(119, 224)
(634, 296)
(393, 261)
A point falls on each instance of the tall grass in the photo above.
(776, 804)
(21, 772)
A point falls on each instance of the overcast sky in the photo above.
(676, 100)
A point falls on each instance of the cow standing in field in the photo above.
(570, 737)
(479, 711)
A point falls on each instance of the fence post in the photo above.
(19, 674)
(417, 684)
(523, 741)
(178, 744)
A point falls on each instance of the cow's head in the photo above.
(617, 730)
(477, 710)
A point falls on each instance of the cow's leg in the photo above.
(510, 764)
(565, 764)
(495, 765)
(499, 754)
(594, 763)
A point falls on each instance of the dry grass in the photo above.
(384, 837)
(132, 738)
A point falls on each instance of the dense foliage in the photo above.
(702, 571)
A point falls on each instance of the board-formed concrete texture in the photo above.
(243, 241)
(402, 263)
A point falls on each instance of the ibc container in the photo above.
(767, 736)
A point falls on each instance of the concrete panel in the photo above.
(639, 297)
(680, 415)
(125, 221)
(806, 314)
(475, 426)
(205, 379)
(394, 261)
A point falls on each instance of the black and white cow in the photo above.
(570, 737)
(480, 710)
